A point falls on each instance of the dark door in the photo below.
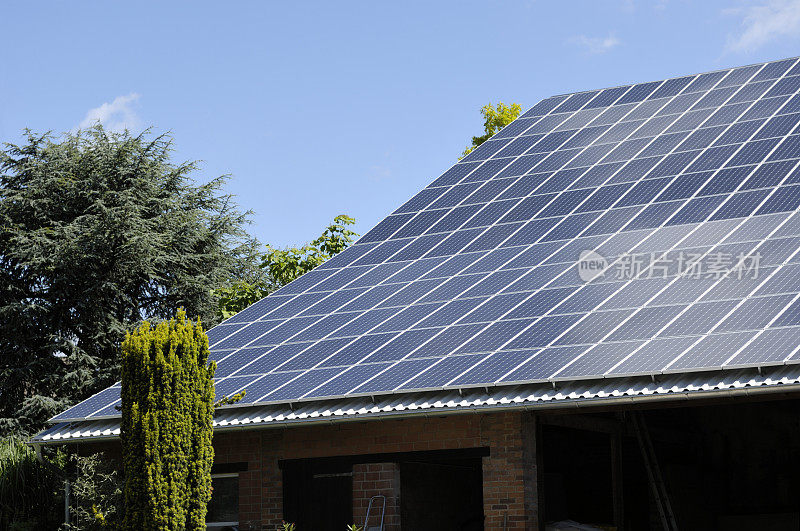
(442, 496)
(331, 501)
(317, 497)
(577, 476)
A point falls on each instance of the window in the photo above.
(223, 509)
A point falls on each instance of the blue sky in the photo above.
(322, 108)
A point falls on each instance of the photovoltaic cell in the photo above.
(770, 347)
(653, 356)
(451, 312)
(272, 358)
(310, 355)
(544, 364)
(494, 336)
(598, 360)
(346, 381)
(444, 371)
(301, 385)
(711, 351)
(92, 404)
(394, 376)
(475, 280)
(402, 344)
(257, 389)
(226, 387)
(447, 340)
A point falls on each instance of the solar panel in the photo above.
(683, 192)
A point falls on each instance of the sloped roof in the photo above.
(637, 230)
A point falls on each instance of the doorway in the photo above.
(441, 495)
(318, 494)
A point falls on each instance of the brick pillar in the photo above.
(371, 479)
(530, 461)
(271, 480)
(509, 472)
(244, 447)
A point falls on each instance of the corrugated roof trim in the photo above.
(579, 393)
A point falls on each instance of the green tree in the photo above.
(284, 265)
(97, 493)
(239, 295)
(99, 231)
(30, 490)
(495, 117)
(167, 411)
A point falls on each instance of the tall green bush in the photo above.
(30, 490)
(167, 410)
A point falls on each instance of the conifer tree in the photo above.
(167, 410)
(98, 232)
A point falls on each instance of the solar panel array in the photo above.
(685, 192)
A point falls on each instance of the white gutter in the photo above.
(511, 405)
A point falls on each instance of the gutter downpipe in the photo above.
(67, 491)
(37, 447)
(66, 500)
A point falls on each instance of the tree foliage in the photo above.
(284, 265)
(495, 117)
(99, 231)
(167, 410)
(30, 490)
(239, 295)
(97, 494)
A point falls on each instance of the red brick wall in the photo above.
(509, 472)
(245, 447)
(373, 479)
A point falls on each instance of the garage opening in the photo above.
(438, 490)
(318, 494)
(731, 467)
(443, 494)
(726, 466)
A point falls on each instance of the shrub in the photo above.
(30, 490)
(97, 491)
(167, 411)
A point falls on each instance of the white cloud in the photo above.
(115, 116)
(763, 23)
(596, 45)
(379, 173)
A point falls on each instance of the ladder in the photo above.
(382, 513)
(654, 473)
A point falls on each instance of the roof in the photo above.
(648, 229)
(532, 396)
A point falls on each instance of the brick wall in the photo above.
(373, 479)
(509, 472)
(245, 447)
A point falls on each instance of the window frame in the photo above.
(219, 525)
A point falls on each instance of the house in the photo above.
(594, 316)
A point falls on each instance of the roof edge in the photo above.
(527, 397)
